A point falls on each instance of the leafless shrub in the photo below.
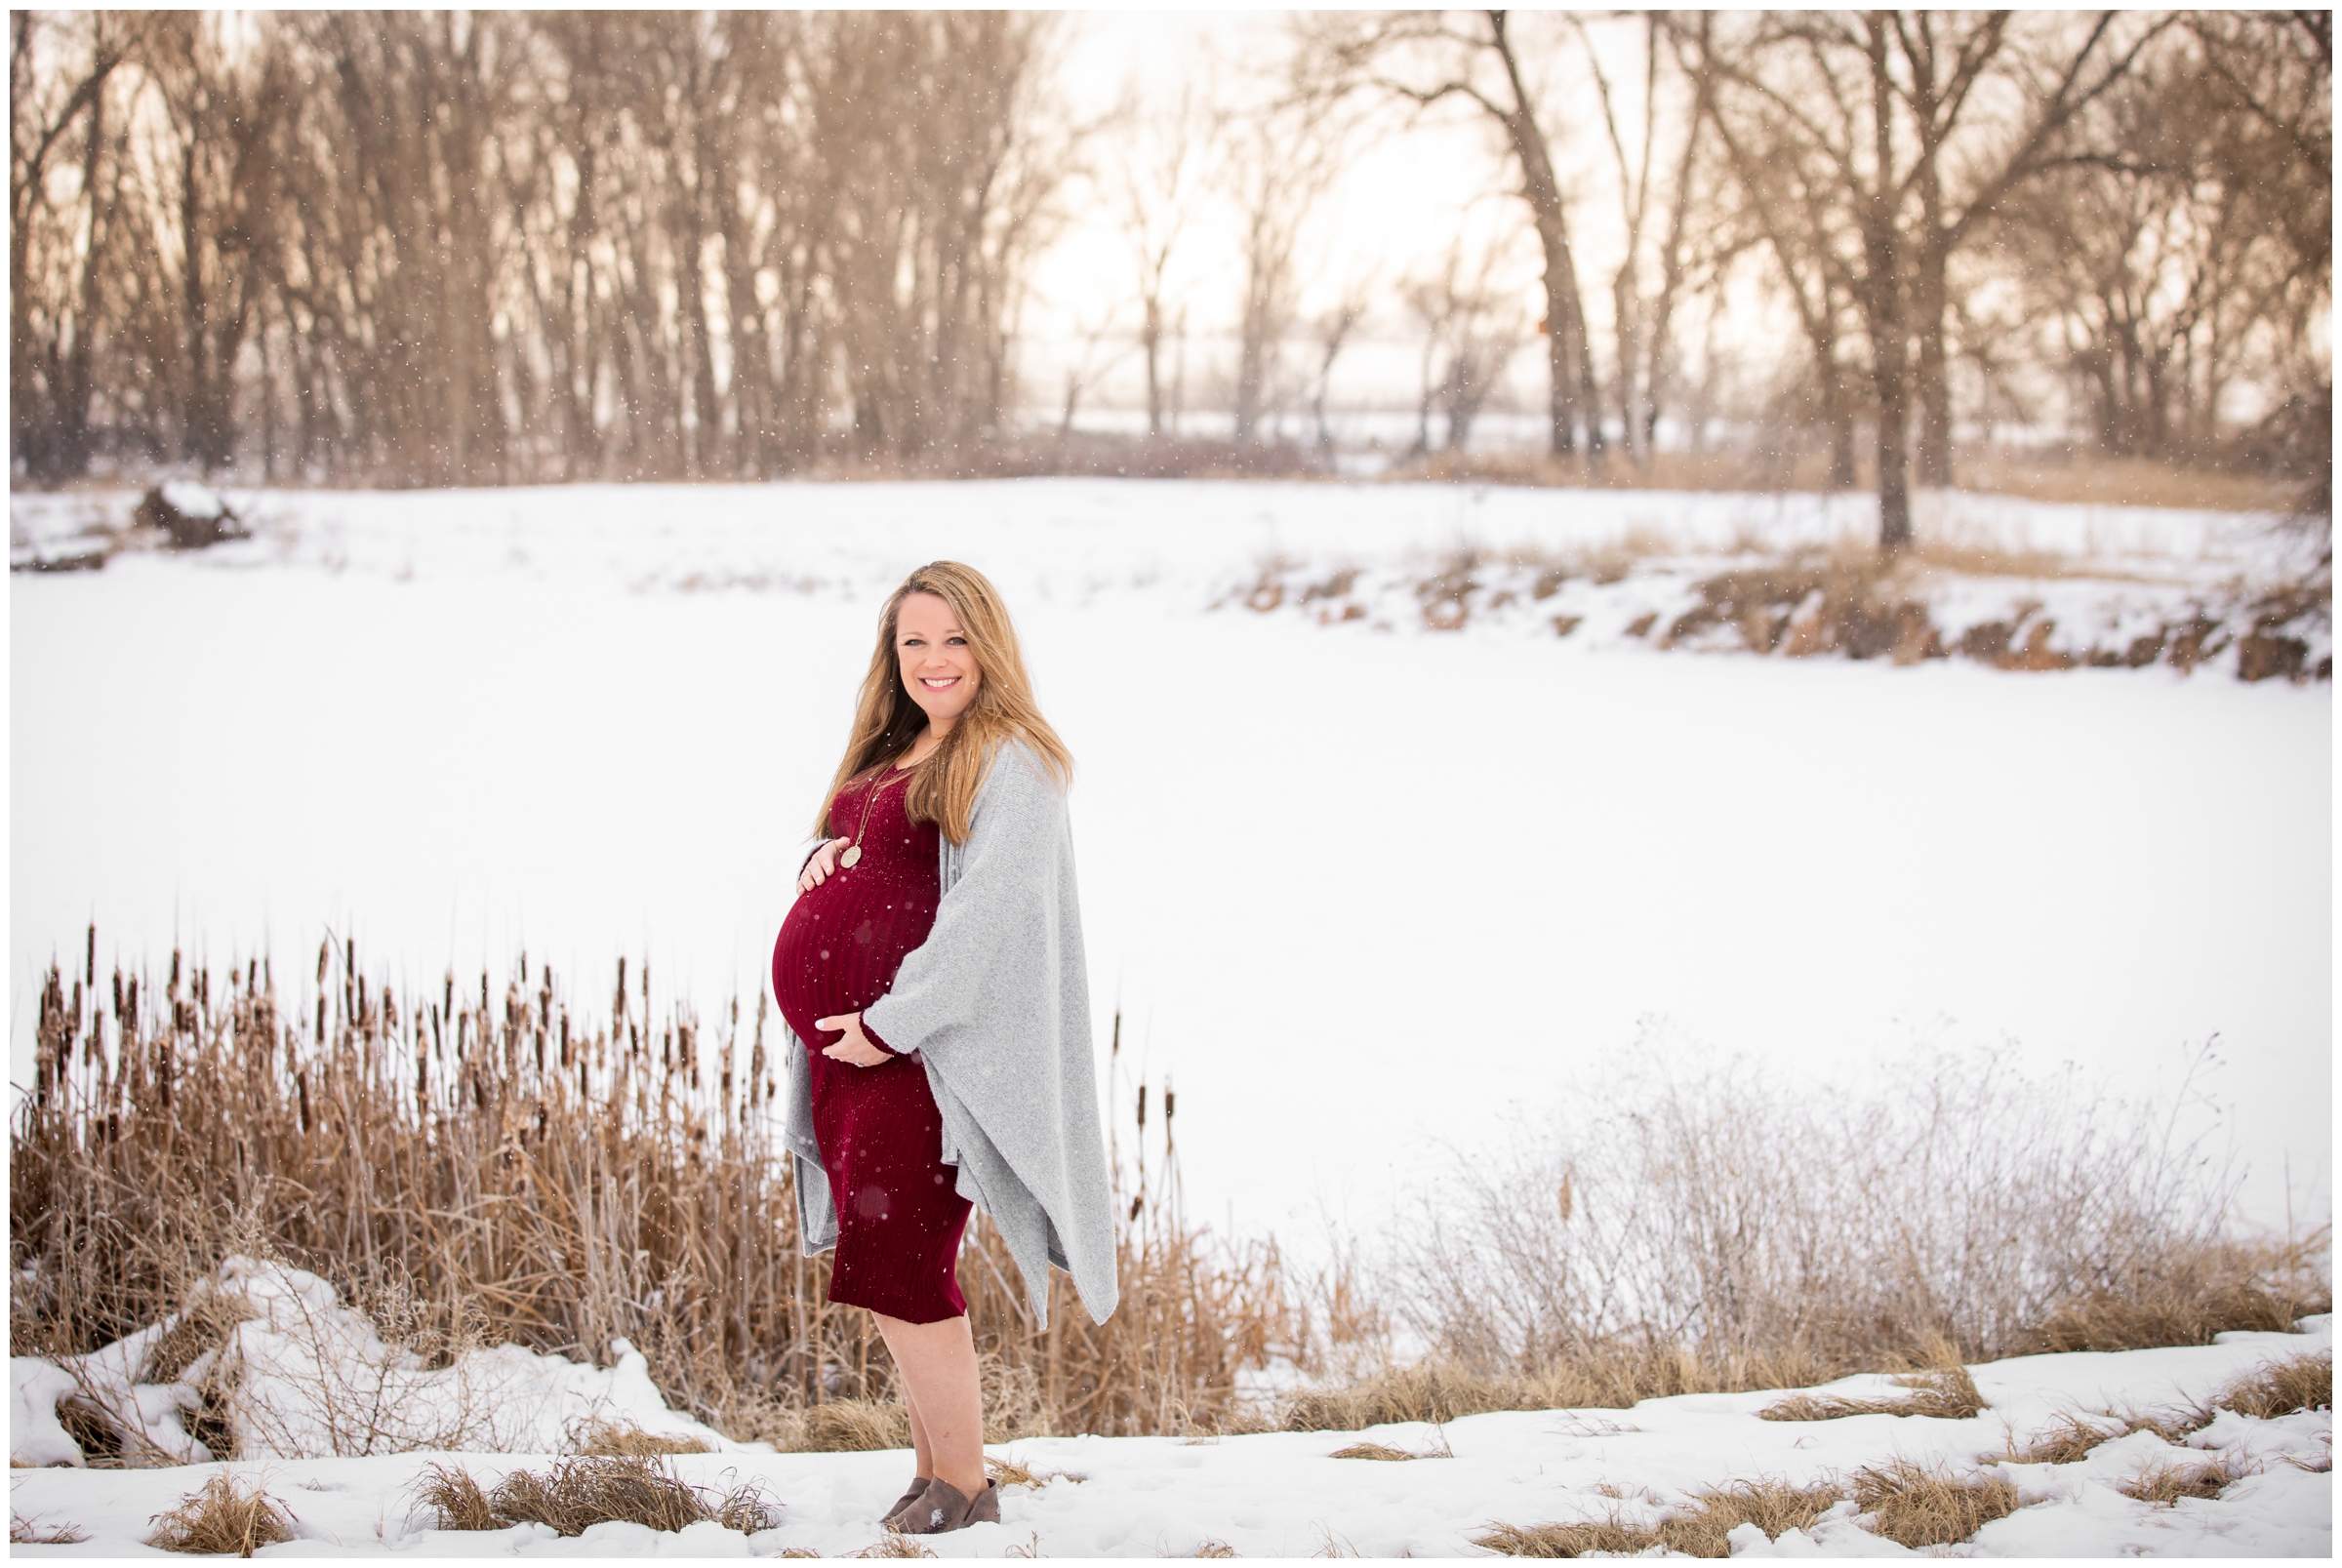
(1717, 1224)
(1917, 1505)
(220, 1518)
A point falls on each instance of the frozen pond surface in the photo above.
(1354, 891)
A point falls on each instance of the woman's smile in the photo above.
(939, 668)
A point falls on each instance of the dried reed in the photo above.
(223, 1517)
(477, 1162)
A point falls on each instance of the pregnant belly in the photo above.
(838, 951)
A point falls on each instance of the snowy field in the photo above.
(1356, 890)
(1280, 1494)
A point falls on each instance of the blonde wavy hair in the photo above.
(887, 719)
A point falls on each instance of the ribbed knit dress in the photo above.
(899, 1213)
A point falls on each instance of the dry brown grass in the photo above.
(2261, 1290)
(24, 1532)
(853, 1426)
(894, 1544)
(223, 1517)
(1773, 1506)
(1374, 1451)
(2167, 1483)
(1566, 1539)
(1917, 1505)
(1947, 1393)
(624, 1440)
(2301, 1383)
(1012, 1472)
(1215, 1549)
(2069, 1438)
(450, 1491)
(524, 1172)
(587, 1490)
(1609, 1376)
(2078, 476)
(1699, 1530)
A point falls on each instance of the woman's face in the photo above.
(939, 668)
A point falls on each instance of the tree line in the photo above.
(432, 248)
(438, 248)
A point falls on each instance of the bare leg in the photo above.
(922, 1450)
(938, 1364)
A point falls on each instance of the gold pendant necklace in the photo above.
(853, 852)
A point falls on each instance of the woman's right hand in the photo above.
(823, 861)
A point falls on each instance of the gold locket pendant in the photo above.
(853, 853)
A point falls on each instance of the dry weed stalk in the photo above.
(469, 1163)
(1915, 1504)
(1215, 1547)
(24, 1532)
(223, 1517)
(894, 1544)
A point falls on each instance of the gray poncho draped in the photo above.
(996, 1003)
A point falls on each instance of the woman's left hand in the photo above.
(856, 1047)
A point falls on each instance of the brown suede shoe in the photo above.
(945, 1507)
(891, 1518)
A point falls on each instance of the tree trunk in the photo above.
(1882, 304)
(1564, 317)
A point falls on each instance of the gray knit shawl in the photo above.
(996, 1002)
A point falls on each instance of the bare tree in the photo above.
(1276, 163)
(1424, 59)
(1159, 181)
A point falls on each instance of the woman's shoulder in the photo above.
(1021, 770)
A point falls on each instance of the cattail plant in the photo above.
(555, 1180)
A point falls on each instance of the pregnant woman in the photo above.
(933, 964)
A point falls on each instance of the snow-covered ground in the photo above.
(1282, 1494)
(1351, 887)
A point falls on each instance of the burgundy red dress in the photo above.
(899, 1215)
